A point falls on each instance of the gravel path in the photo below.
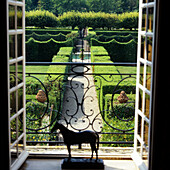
(80, 107)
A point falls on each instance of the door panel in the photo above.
(147, 10)
(16, 77)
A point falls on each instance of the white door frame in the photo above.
(16, 86)
(145, 60)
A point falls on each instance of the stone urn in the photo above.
(123, 98)
(41, 96)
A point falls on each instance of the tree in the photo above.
(31, 5)
(58, 7)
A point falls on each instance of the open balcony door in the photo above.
(16, 82)
(144, 85)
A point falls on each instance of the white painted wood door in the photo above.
(16, 79)
(146, 41)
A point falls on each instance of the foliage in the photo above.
(129, 20)
(44, 50)
(118, 38)
(46, 37)
(41, 19)
(116, 32)
(118, 51)
(58, 7)
(81, 20)
(99, 51)
(107, 84)
(65, 51)
(55, 87)
(98, 20)
(49, 31)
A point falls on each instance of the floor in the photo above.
(55, 164)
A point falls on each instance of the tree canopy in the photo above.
(58, 7)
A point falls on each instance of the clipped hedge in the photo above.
(81, 20)
(41, 18)
(43, 51)
(102, 59)
(118, 51)
(117, 32)
(118, 38)
(128, 20)
(99, 51)
(99, 20)
(46, 37)
(46, 31)
(66, 51)
(118, 108)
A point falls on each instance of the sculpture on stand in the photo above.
(71, 138)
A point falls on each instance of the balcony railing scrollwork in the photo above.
(81, 99)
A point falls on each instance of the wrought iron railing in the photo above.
(81, 99)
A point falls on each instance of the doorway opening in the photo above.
(96, 92)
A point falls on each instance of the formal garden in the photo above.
(112, 38)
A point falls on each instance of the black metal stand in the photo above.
(80, 163)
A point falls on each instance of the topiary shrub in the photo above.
(43, 51)
(119, 52)
(41, 19)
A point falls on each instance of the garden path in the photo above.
(80, 105)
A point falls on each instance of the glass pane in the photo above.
(11, 17)
(149, 48)
(139, 125)
(145, 146)
(148, 77)
(143, 47)
(140, 99)
(13, 126)
(150, 19)
(11, 46)
(141, 73)
(19, 45)
(13, 154)
(13, 103)
(20, 72)
(13, 80)
(20, 98)
(145, 157)
(138, 147)
(147, 1)
(19, 17)
(20, 146)
(20, 124)
(144, 19)
(147, 105)
(146, 133)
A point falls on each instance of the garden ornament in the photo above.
(41, 96)
(71, 138)
(123, 98)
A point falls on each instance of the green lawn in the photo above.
(108, 83)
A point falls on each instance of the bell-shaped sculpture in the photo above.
(123, 98)
(41, 96)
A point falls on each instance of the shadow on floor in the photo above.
(55, 164)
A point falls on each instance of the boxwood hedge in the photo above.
(43, 51)
(119, 51)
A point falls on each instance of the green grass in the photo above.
(66, 51)
(99, 51)
(107, 84)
